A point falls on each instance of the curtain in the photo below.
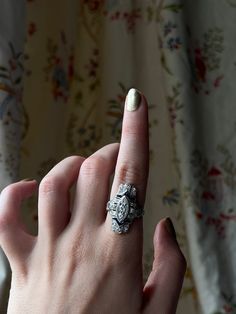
(12, 117)
(65, 69)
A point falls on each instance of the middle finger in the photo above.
(133, 159)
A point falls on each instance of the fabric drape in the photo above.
(12, 41)
(65, 69)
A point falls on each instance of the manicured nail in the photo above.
(170, 227)
(133, 99)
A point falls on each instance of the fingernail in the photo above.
(133, 99)
(28, 179)
(170, 227)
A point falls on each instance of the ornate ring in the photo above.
(123, 208)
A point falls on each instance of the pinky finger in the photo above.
(14, 239)
(162, 289)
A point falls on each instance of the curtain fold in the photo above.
(199, 67)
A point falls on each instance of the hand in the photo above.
(77, 264)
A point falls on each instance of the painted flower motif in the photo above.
(59, 76)
(211, 200)
(60, 71)
(4, 105)
(170, 40)
(174, 43)
(93, 64)
(175, 106)
(94, 5)
(229, 305)
(212, 212)
(205, 59)
(31, 28)
(212, 195)
(218, 224)
(168, 28)
(115, 111)
(171, 197)
(129, 17)
(59, 81)
(70, 70)
(200, 65)
(10, 81)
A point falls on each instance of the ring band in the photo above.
(123, 208)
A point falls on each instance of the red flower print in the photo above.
(94, 5)
(214, 172)
(31, 28)
(199, 215)
(228, 308)
(200, 65)
(207, 196)
(218, 80)
(71, 68)
(13, 64)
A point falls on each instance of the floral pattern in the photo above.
(63, 82)
(205, 61)
(11, 76)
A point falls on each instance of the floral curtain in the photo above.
(65, 69)
(12, 40)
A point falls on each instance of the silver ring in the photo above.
(123, 208)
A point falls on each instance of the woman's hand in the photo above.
(77, 264)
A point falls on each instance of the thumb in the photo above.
(162, 289)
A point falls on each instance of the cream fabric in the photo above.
(80, 59)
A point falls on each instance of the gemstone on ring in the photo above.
(123, 208)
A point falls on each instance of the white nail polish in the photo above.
(133, 100)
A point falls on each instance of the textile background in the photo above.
(65, 69)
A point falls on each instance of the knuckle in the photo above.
(129, 172)
(9, 191)
(19, 280)
(20, 274)
(6, 217)
(5, 222)
(50, 184)
(130, 131)
(76, 158)
(93, 166)
(177, 256)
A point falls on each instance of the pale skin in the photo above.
(76, 263)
